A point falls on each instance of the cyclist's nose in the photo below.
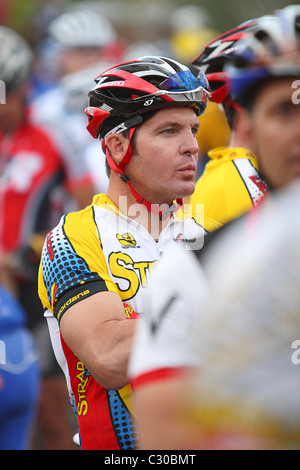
(189, 144)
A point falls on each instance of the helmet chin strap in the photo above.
(120, 170)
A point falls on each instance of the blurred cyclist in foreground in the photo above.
(212, 362)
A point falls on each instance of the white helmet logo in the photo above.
(148, 103)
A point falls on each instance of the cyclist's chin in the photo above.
(186, 188)
(175, 190)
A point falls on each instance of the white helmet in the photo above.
(15, 58)
(82, 28)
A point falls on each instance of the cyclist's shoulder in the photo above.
(195, 212)
(81, 221)
(11, 312)
(215, 235)
(220, 154)
(48, 105)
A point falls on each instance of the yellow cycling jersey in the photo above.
(230, 184)
(100, 248)
(95, 250)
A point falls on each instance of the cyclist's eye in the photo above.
(285, 109)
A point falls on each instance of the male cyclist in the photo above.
(97, 262)
(230, 184)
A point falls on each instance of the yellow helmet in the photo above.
(214, 129)
(186, 42)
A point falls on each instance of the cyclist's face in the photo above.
(75, 59)
(275, 132)
(12, 113)
(163, 166)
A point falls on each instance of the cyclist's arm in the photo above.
(98, 332)
(162, 409)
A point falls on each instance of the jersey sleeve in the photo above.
(167, 334)
(73, 265)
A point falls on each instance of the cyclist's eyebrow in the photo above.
(168, 124)
(196, 125)
(175, 124)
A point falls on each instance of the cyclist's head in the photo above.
(271, 52)
(128, 94)
(83, 37)
(82, 28)
(15, 59)
(263, 74)
(212, 60)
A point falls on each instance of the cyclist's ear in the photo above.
(117, 145)
(244, 128)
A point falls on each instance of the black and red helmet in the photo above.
(129, 93)
(213, 59)
(126, 94)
